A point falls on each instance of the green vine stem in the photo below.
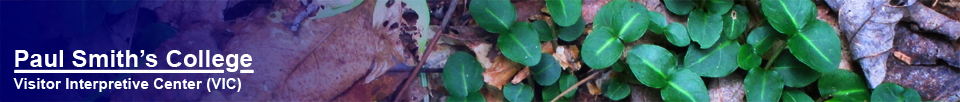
(775, 55)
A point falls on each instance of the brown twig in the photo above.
(594, 75)
(426, 53)
(935, 3)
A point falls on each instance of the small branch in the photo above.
(935, 3)
(594, 75)
(775, 55)
(426, 53)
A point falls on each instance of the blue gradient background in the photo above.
(34, 26)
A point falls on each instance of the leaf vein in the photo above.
(627, 25)
(463, 69)
(605, 45)
(654, 68)
(525, 50)
(815, 48)
(684, 92)
(502, 22)
(789, 15)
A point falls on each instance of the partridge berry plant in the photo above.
(791, 49)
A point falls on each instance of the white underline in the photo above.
(246, 71)
(125, 71)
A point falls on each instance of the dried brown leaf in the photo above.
(903, 57)
(548, 47)
(522, 75)
(482, 49)
(375, 90)
(501, 72)
(593, 89)
(932, 82)
(438, 57)
(325, 56)
(568, 57)
(492, 95)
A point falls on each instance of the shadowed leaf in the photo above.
(650, 63)
(521, 44)
(601, 49)
(717, 61)
(787, 16)
(496, 16)
(518, 92)
(685, 86)
(547, 71)
(461, 74)
(818, 46)
(564, 12)
(763, 85)
(704, 28)
(889, 92)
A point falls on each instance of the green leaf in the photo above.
(625, 77)
(704, 28)
(601, 49)
(547, 71)
(763, 85)
(843, 85)
(650, 63)
(574, 31)
(625, 19)
(118, 6)
(337, 9)
(632, 21)
(818, 46)
(746, 59)
(495, 16)
(658, 23)
(564, 12)
(680, 7)
(567, 80)
(794, 72)
(677, 35)
(787, 16)
(518, 92)
(719, 6)
(889, 92)
(607, 13)
(550, 92)
(685, 86)
(521, 44)
(717, 61)
(473, 97)
(151, 36)
(762, 39)
(735, 22)
(793, 95)
(461, 74)
(544, 30)
(619, 66)
(616, 90)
